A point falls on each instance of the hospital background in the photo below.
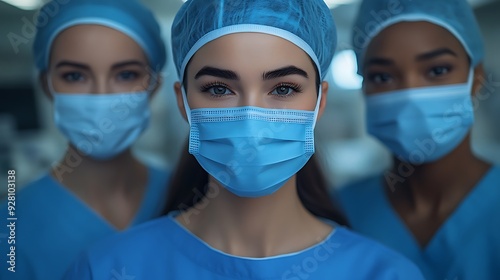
(30, 143)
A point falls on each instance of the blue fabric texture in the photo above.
(54, 226)
(174, 253)
(465, 247)
(308, 24)
(128, 16)
(454, 15)
(416, 124)
(251, 151)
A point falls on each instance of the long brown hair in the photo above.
(189, 185)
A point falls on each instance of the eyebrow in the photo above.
(436, 53)
(71, 64)
(379, 61)
(424, 56)
(216, 72)
(285, 71)
(83, 66)
(231, 75)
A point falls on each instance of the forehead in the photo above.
(89, 41)
(247, 50)
(413, 37)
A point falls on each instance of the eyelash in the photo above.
(295, 87)
(205, 88)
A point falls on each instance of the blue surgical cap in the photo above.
(454, 15)
(127, 16)
(307, 24)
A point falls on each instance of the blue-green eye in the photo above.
(219, 90)
(284, 90)
(216, 89)
(73, 77)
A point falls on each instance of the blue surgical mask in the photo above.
(102, 125)
(421, 125)
(251, 151)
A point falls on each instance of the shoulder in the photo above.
(494, 174)
(125, 252)
(362, 192)
(378, 261)
(31, 197)
(151, 238)
(156, 172)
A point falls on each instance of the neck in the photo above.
(82, 173)
(444, 182)
(254, 227)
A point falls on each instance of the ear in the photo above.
(44, 83)
(180, 99)
(479, 78)
(159, 83)
(324, 98)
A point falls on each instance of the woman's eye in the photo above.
(379, 78)
(127, 75)
(282, 90)
(219, 90)
(216, 90)
(73, 77)
(439, 71)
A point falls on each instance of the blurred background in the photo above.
(31, 144)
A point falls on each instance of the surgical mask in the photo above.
(421, 125)
(251, 151)
(102, 125)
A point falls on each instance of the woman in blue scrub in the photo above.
(439, 203)
(99, 62)
(250, 87)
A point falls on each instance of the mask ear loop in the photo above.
(470, 79)
(186, 105)
(50, 86)
(316, 109)
(320, 96)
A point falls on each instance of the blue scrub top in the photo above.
(54, 226)
(466, 247)
(163, 249)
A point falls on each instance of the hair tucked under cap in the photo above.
(308, 24)
(454, 15)
(127, 16)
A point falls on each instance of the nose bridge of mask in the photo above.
(316, 109)
(187, 109)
